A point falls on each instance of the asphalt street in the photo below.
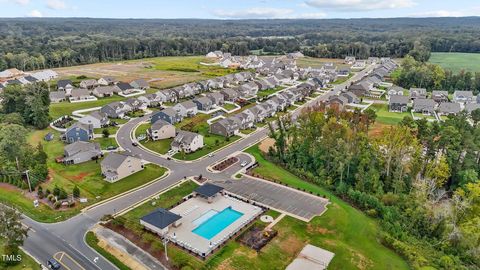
(67, 237)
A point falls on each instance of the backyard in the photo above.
(386, 117)
(268, 92)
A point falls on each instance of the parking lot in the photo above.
(295, 203)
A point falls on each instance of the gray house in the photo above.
(351, 97)
(57, 96)
(418, 93)
(216, 98)
(96, 118)
(463, 96)
(79, 152)
(230, 94)
(440, 96)
(78, 132)
(226, 127)
(169, 115)
(203, 103)
(398, 103)
(423, 105)
(448, 108)
(187, 141)
(140, 84)
(115, 109)
(186, 109)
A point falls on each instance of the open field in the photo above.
(87, 176)
(386, 117)
(320, 62)
(344, 230)
(457, 61)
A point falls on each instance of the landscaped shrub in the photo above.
(57, 204)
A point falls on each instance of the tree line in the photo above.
(419, 179)
(413, 73)
(32, 43)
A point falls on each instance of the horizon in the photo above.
(247, 9)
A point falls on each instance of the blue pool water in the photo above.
(217, 223)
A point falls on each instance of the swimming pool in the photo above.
(217, 223)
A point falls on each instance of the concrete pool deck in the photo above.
(195, 208)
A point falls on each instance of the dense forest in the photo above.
(36, 43)
(419, 179)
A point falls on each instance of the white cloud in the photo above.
(254, 13)
(439, 13)
(360, 5)
(22, 2)
(56, 4)
(35, 13)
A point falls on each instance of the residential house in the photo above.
(463, 97)
(418, 93)
(107, 80)
(440, 96)
(280, 102)
(169, 115)
(226, 127)
(229, 94)
(360, 89)
(246, 118)
(424, 106)
(79, 152)
(338, 102)
(116, 109)
(449, 108)
(396, 91)
(160, 130)
(106, 91)
(258, 112)
(136, 104)
(216, 98)
(179, 92)
(78, 132)
(203, 103)
(351, 97)
(125, 88)
(141, 84)
(57, 96)
(79, 94)
(398, 103)
(349, 60)
(470, 107)
(152, 100)
(187, 142)
(65, 85)
(249, 89)
(117, 166)
(186, 109)
(96, 118)
(45, 75)
(167, 95)
(88, 84)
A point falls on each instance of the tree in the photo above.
(76, 192)
(475, 114)
(12, 231)
(105, 133)
(13, 118)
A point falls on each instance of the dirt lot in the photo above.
(266, 144)
(159, 71)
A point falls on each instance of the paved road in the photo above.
(46, 240)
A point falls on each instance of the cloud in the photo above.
(35, 13)
(56, 4)
(439, 13)
(360, 5)
(22, 2)
(254, 13)
(314, 15)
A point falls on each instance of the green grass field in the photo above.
(266, 93)
(386, 117)
(457, 61)
(66, 108)
(344, 230)
(189, 64)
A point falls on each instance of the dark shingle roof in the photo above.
(161, 218)
(208, 190)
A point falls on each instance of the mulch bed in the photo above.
(225, 164)
(256, 237)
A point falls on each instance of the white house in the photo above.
(187, 141)
(160, 130)
(186, 109)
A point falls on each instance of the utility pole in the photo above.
(28, 180)
(165, 242)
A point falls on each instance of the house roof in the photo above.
(449, 107)
(208, 190)
(30, 78)
(90, 82)
(63, 83)
(469, 107)
(161, 218)
(159, 124)
(57, 95)
(114, 160)
(184, 137)
(463, 93)
(79, 125)
(423, 103)
(399, 99)
(109, 79)
(98, 115)
(203, 100)
(188, 104)
(80, 146)
(80, 92)
(107, 89)
(170, 112)
(140, 83)
(124, 86)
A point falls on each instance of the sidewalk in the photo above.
(128, 252)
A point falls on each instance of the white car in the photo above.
(170, 152)
(210, 155)
(243, 164)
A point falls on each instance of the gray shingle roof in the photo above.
(208, 190)
(114, 160)
(161, 218)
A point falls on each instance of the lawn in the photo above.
(26, 263)
(66, 108)
(457, 61)
(228, 106)
(160, 146)
(111, 129)
(87, 176)
(344, 230)
(189, 64)
(386, 117)
(305, 62)
(268, 92)
(106, 142)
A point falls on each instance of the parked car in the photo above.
(53, 264)
(134, 143)
(244, 163)
(211, 155)
(111, 147)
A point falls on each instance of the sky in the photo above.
(239, 9)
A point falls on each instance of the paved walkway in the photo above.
(119, 242)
